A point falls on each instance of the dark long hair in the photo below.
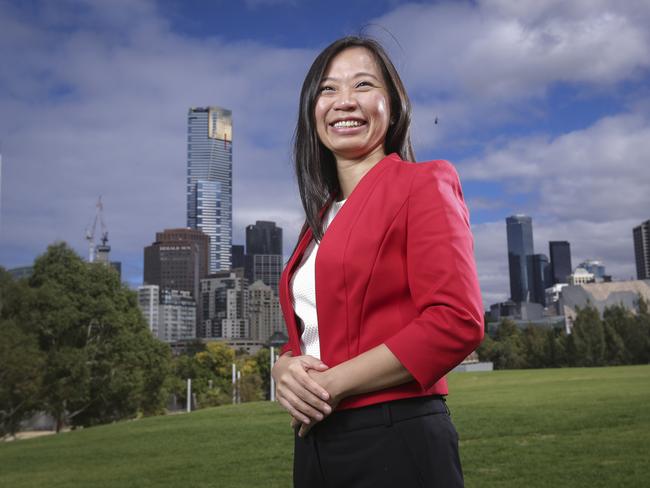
(315, 164)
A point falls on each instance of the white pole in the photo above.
(234, 383)
(272, 382)
(238, 383)
(189, 395)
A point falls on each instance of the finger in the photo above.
(317, 394)
(294, 423)
(312, 362)
(297, 374)
(290, 387)
(303, 430)
(293, 411)
(303, 407)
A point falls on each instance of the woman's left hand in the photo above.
(326, 379)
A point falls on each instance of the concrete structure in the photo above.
(265, 316)
(209, 180)
(177, 260)
(595, 267)
(149, 303)
(581, 276)
(224, 306)
(641, 235)
(602, 295)
(519, 230)
(553, 294)
(177, 316)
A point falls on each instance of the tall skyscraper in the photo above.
(560, 252)
(642, 250)
(264, 253)
(519, 230)
(263, 238)
(209, 180)
(538, 277)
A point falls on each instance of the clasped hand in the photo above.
(302, 384)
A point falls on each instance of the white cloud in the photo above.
(117, 127)
(480, 65)
(597, 174)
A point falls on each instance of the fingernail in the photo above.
(324, 395)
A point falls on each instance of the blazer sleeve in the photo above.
(442, 278)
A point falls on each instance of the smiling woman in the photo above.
(380, 296)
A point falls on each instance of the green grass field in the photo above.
(534, 428)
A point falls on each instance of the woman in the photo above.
(380, 296)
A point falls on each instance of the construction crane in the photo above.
(100, 252)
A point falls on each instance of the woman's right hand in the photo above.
(300, 395)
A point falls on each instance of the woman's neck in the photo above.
(350, 171)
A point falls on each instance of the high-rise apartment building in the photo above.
(560, 253)
(176, 316)
(209, 180)
(265, 316)
(170, 314)
(519, 230)
(224, 306)
(641, 236)
(149, 303)
(177, 260)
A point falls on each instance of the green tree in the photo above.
(263, 359)
(533, 340)
(508, 353)
(21, 364)
(100, 358)
(555, 348)
(587, 338)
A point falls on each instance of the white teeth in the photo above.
(347, 123)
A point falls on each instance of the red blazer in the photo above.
(395, 266)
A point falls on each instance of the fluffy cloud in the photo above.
(474, 65)
(588, 187)
(101, 109)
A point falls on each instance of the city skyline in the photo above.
(542, 109)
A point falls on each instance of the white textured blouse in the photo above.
(303, 291)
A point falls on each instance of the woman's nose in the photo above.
(345, 100)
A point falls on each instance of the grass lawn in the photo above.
(579, 427)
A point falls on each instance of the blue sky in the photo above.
(544, 108)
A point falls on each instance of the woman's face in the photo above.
(353, 108)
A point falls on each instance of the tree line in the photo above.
(619, 337)
(74, 345)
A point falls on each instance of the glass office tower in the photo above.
(641, 235)
(209, 180)
(560, 252)
(519, 230)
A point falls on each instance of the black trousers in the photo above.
(407, 443)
